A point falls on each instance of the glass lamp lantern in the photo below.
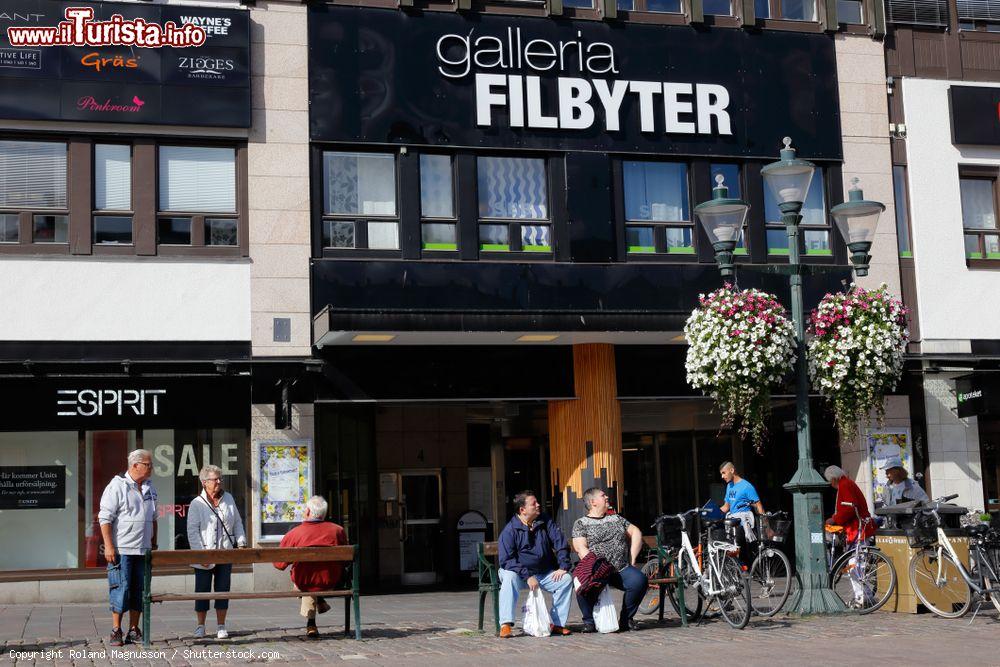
(857, 219)
(723, 220)
(788, 179)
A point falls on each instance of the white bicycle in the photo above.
(712, 568)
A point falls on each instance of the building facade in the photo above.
(464, 252)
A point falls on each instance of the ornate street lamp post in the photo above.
(788, 180)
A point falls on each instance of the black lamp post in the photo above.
(788, 179)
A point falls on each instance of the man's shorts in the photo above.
(125, 583)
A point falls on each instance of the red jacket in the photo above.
(848, 492)
(593, 573)
(317, 576)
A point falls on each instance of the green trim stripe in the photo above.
(820, 251)
(494, 247)
(680, 250)
(777, 251)
(906, 253)
(740, 251)
(641, 248)
(440, 246)
(537, 248)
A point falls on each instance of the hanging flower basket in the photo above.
(740, 344)
(856, 352)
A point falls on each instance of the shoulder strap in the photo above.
(222, 523)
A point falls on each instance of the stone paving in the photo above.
(440, 629)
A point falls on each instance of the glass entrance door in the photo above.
(420, 525)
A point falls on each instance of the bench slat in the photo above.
(490, 549)
(257, 555)
(172, 597)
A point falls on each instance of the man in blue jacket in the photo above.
(533, 553)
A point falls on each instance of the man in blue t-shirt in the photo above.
(741, 499)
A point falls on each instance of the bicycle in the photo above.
(770, 575)
(937, 575)
(865, 567)
(722, 580)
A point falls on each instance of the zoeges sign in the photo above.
(446, 79)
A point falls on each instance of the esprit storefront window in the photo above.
(33, 205)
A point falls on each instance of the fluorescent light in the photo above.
(373, 338)
(537, 338)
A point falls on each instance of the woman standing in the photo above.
(213, 522)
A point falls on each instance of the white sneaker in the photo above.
(199, 632)
(222, 633)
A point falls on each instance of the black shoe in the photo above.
(134, 636)
(588, 628)
(116, 638)
(312, 632)
(627, 626)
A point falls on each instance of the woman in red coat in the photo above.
(844, 515)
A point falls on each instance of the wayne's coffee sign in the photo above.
(447, 79)
(975, 115)
(178, 81)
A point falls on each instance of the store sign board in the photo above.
(975, 115)
(32, 487)
(205, 84)
(45, 404)
(447, 79)
(976, 396)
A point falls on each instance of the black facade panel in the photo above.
(591, 222)
(646, 371)
(388, 77)
(974, 115)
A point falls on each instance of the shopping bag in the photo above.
(605, 614)
(536, 619)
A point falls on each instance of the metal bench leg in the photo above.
(147, 578)
(496, 610)
(680, 602)
(357, 616)
(482, 608)
(663, 594)
(347, 616)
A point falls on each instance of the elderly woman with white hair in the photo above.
(213, 522)
(849, 499)
(321, 576)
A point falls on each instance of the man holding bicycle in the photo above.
(741, 499)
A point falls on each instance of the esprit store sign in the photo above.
(108, 402)
(507, 71)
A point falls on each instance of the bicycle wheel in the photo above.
(991, 576)
(693, 600)
(651, 602)
(770, 581)
(939, 585)
(734, 601)
(875, 577)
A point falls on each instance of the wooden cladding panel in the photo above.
(585, 436)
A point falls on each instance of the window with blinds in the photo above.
(197, 179)
(917, 12)
(32, 175)
(979, 10)
(112, 193)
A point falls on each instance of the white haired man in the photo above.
(128, 526)
(321, 576)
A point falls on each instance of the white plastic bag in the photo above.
(605, 614)
(536, 619)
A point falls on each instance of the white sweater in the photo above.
(204, 529)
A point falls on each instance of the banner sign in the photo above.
(975, 115)
(124, 62)
(284, 471)
(386, 76)
(975, 395)
(32, 487)
(884, 444)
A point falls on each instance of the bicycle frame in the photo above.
(944, 544)
(711, 585)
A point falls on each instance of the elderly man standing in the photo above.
(321, 576)
(533, 552)
(128, 525)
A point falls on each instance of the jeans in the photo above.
(125, 583)
(203, 584)
(633, 582)
(511, 585)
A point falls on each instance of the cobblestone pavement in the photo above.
(440, 629)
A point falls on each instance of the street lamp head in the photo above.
(857, 219)
(723, 220)
(788, 179)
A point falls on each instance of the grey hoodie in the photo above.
(131, 511)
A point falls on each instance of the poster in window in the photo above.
(285, 474)
(883, 444)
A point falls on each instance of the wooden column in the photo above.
(585, 435)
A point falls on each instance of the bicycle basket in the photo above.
(920, 536)
(775, 530)
(668, 530)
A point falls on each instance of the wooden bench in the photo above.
(489, 580)
(341, 554)
(662, 580)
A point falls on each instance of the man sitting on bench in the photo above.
(529, 548)
(321, 576)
